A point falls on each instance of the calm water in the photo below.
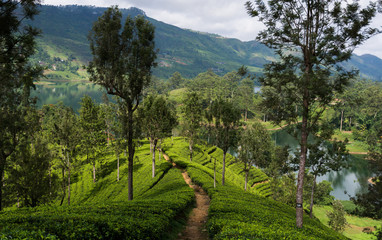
(352, 180)
(70, 93)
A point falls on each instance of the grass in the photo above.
(356, 224)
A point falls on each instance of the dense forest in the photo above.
(124, 166)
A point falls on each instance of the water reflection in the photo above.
(70, 93)
(353, 179)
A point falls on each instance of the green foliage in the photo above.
(349, 207)
(378, 233)
(337, 220)
(192, 112)
(235, 214)
(101, 210)
(30, 176)
(122, 62)
(17, 41)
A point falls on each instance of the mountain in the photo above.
(64, 48)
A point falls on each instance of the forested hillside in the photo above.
(64, 48)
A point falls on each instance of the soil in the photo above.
(196, 223)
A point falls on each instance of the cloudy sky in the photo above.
(227, 18)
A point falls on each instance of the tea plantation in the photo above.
(100, 210)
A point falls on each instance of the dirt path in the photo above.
(259, 183)
(196, 224)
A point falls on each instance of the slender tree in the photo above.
(254, 148)
(17, 44)
(323, 158)
(311, 37)
(92, 125)
(122, 63)
(192, 111)
(159, 121)
(226, 117)
(67, 136)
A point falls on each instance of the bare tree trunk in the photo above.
(130, 147)
(246, 179)
(223, 171)
(67, 154)
(301, 171)
(63, 186)
(2, 169)
(342, 118)
(50, 179)
(190, 147)
(153, 167)
(118, 167)
(94, 173)
(350, 123)
(215, 173)
(312, 197)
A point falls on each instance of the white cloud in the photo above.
(224, 17)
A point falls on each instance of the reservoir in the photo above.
(351, 180)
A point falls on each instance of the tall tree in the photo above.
(246, 95)
(324, 157)
(159, 121)
(17, 44)
(30, 171)
(226, 117)
(254, 148)
(192, 111)
(66, 135)
(92, 125)
(310, 37)
(122, 63)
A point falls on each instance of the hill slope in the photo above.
(64, 47)
(101, 211)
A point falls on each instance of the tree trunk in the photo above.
(18, 201)
(246, 115)
(1, 182)
(215, 173)
(67, 154)
(108, 134)
(3, 158)
(63, 186)
(301, 171)
(342, 119)
(223, 171)
(118, 167)
(312, 197)
(246, 179)
(94, 173)
(50, 180)
(130, 148)
(190, 147)
(350, 123)
(153, 167)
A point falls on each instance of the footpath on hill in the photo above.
(196, 223)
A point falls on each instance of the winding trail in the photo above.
(196, 223)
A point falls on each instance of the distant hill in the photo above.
(64, 47)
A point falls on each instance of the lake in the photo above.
(353, 180)
(70, 93)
